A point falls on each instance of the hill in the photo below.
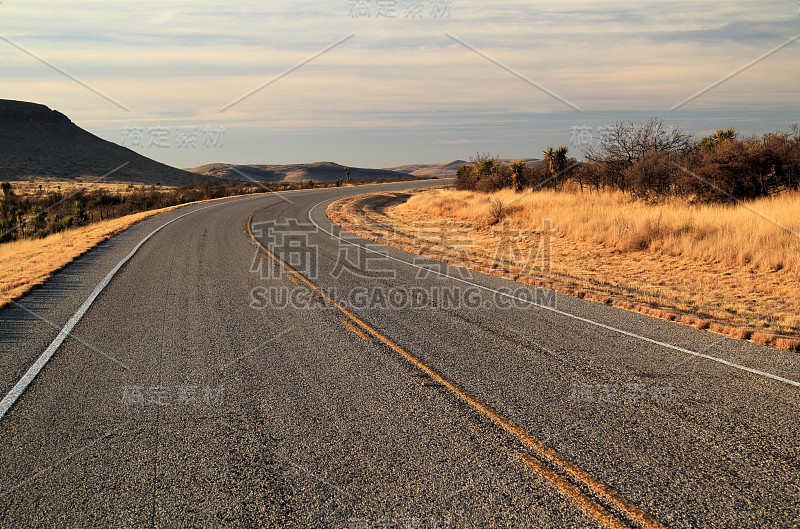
(37, 142)
(433, 170)
(443, 170)
(318, 172)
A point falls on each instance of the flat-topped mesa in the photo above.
(29, 112)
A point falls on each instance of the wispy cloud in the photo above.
(174, 63)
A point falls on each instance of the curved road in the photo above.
(315, 379)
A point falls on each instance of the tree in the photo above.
(556, 160)
(591, 174)
(7, 206)
(561, 158)
(517, 169)
(465, 179)
(724, 171)
(625, 142)
(652, 175)
(550, 160)
(561, 161)
(484, 168)
(718, 138)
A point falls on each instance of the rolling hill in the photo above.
(318, 172)
(433, 170)
(443, 170)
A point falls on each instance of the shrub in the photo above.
(652, 175)
(497, 211)
(465, 180)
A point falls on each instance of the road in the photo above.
(208, 385)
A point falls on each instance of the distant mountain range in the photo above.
(37, 142)
(318, 172)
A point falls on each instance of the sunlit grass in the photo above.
(28, 263)
(763, 234)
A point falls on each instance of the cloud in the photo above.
(173, 63)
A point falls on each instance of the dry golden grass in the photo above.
(27, 264)
(739, 236)
(67, 187)
(716, 267)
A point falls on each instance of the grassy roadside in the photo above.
(759, 235)
(28, 263)
(721, 268)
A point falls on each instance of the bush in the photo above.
(725, 171)
(652, 175)
(497, 211)
(465, 181)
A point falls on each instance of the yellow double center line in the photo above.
(562, 468)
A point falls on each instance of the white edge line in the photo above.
(20, 387)
(563, 313)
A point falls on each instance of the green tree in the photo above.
(718, 138)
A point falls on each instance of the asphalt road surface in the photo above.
(355, 385)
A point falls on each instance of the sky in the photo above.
(379, 83)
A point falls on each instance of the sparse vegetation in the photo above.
(33, 210)
(705, 227)
(718, 233)
(655, 162)
(28, 263)
(34, 213)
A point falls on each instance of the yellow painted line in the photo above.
(556, 459)
(294, 278)
(574, 493)
(357, 330)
